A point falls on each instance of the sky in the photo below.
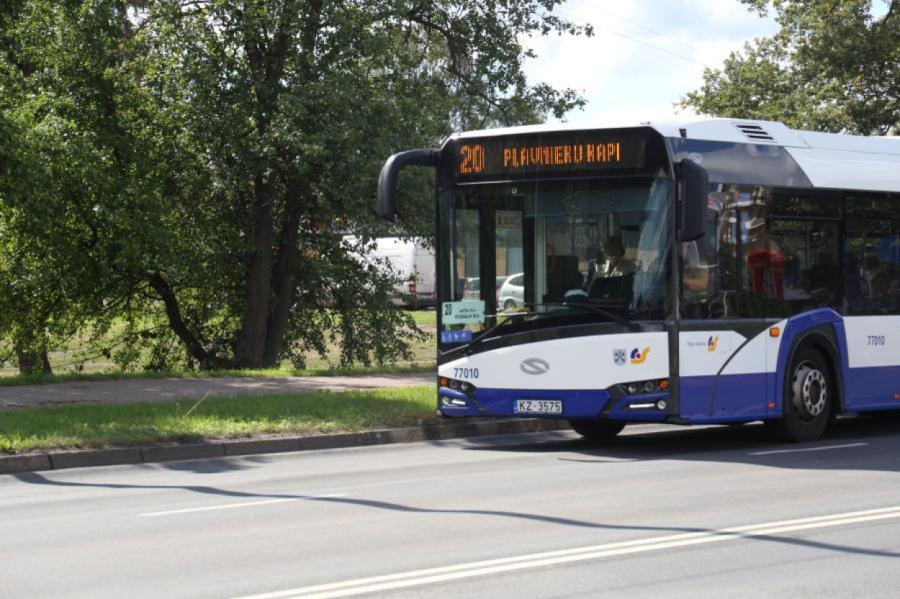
(627, 81)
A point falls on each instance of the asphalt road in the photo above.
(666, 512)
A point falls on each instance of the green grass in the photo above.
(96, 426)
(424, 317)
(39, 379)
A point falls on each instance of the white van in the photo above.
(412, 260)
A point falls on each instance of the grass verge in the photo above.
(96, 426)
(40, 379)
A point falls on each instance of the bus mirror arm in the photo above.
(387, 181)
(694, 189)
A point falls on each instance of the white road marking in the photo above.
(805, 449)
(536, 560)
(231, 506)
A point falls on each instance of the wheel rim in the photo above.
(810, 391)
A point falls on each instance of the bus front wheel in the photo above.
(597, 430)
(808, 398)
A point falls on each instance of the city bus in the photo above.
(720, 271)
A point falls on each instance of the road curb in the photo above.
(57, 460)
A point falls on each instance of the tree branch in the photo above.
(177, 324)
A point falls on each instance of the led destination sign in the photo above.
(534, 155)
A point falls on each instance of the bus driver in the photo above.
(612, 264)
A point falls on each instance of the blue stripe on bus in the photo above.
(873, 388)
(738, 397)
(576, 404)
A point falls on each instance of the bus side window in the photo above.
(872, 255)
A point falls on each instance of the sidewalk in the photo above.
(127, 391)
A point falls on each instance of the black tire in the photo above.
(597, 430)
(809, 396)
(509, 304)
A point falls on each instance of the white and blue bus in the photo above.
(721, 271)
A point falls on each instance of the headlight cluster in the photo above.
(461, 386)
(468, 389)
(641, 387)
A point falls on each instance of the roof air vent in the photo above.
(754, 132)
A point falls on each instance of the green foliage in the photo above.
(833, 66)
(188, 167)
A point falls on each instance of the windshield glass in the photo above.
(553, 246)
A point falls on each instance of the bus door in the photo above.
(723, 348)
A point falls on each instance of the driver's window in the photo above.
(509, 260)
(466, 257)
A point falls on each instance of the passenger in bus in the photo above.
(877, 275)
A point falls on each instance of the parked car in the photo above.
(512, 292)
(471, 287)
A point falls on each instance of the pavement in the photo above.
(662, 512)
(127, 391)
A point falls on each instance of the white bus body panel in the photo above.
(577, 363)
(839, 169)
(873, 341)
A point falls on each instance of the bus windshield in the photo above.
(552, 245)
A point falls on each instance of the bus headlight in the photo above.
(643, 387)
(455, 385)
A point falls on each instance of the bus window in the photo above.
(872, 255)
(810, 274)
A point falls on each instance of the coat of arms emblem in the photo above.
(619, 356)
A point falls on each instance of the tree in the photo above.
(72, 195)
(208, 154)
(295, 105)
(832, 66)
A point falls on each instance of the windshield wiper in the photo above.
(587, 303)
(509, 318)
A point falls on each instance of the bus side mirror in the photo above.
(694, 191)
(387, 181)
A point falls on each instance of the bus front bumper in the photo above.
(569, 404)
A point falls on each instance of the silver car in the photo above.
(512, 292)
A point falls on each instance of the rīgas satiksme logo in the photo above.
(636, 356)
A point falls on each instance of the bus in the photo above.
(720, 271)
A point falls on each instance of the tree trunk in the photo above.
(176, 323)
(251, 339)
(283, 282)
(33, 362)
(267, 60)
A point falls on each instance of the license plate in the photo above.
(538, 406)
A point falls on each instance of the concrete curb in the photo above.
(56, 460)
